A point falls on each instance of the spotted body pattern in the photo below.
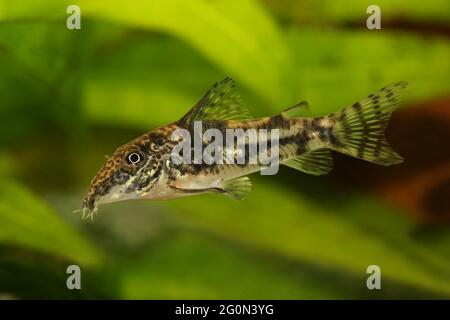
(143, 168)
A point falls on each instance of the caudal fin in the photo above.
(359, 128)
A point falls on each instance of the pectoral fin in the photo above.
(198, 191)
(238, 188)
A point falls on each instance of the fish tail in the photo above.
(359, 128)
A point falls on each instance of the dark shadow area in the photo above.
(31, 275)
(425, 28)
(437, 200)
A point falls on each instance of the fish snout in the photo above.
(89, 206)
(100, 191)
(96, 190)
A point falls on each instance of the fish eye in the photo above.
(134, 158)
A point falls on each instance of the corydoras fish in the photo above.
(144, 168)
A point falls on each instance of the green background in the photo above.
(68, 97)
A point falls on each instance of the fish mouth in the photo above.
(90, 204)
(89, 208)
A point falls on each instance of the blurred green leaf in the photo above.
(189, 266)
(28, 274)
(27, 221)
(366, 62)
(143, 81)
(328, 79)
(221, 32)
(39, 79)
(291, 225)
(301, 66)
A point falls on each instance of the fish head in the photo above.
(130, 173)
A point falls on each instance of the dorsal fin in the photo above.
(316, 162)
(295, 111)
(221, 102)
